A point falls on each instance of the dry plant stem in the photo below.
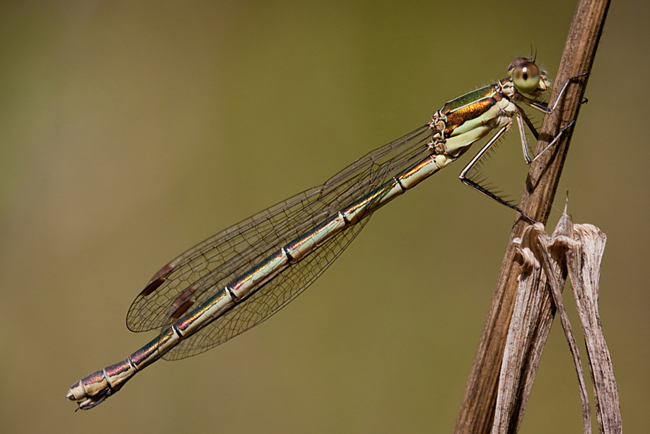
(478, 406)
(584, 253)
(545, 261)
(556, 284)
(530, 325)
(521, 355)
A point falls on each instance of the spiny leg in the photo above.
(520, 115)
(554, 141)
(468, 182)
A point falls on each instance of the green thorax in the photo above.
(470, 106)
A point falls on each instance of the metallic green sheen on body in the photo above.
(469, 98)
(188, 294)
(469, 106)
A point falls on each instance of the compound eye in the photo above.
(525, 77)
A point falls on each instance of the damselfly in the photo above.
(241, 276)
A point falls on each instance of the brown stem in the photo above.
(477, 409)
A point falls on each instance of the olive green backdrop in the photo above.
(129, 131)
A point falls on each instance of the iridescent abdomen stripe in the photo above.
(111, 379)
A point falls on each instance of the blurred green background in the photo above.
(129, 131)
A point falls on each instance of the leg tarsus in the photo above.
(555, 139)
(468, 182)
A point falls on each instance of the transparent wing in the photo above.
(267, 300)
(206, 268)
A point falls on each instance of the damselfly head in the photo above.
(527, 77)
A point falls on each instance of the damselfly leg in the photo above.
(236, 279)
(520, 74)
